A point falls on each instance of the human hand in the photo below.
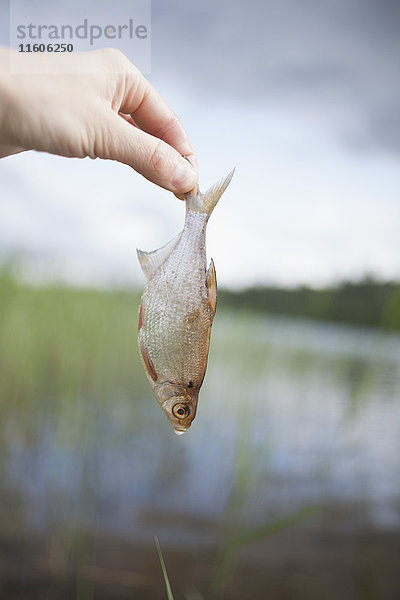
(98, 104)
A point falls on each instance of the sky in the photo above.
(302, 96)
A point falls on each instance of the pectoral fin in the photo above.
(211, 282)
(148, 363)
(140, 323)
(151, 261)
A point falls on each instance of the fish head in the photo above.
(179, 404)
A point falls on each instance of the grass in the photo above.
(234, 537)
(239, 540)
(232, 546)
(60, 347)
(67, 351)
(164, 570)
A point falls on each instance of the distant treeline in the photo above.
(367, 302)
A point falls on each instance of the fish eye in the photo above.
(190, 384)
(180, 410)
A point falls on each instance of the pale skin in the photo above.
(97, 105)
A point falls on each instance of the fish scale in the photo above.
(169, 301)
(177, 310)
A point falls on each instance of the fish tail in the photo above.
(206, 202)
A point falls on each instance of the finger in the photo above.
(193, 162)
(153, 158)
(152, 114)
(6, 150)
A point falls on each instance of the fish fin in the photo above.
(211, 282)
(151, 261)
(148, 363)
(140, 323)
(206, 202)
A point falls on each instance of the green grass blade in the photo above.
(170, 595)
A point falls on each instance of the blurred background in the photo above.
(287, 485)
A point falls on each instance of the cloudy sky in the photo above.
(302, 96)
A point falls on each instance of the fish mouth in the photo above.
(180, 430)
(180, 427)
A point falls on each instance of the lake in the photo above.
(286, 486)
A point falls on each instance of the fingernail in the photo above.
(184, 177)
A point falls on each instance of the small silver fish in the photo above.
(177, 310)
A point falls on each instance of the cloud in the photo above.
(335, 60)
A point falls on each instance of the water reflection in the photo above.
(296, 441)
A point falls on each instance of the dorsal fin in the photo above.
(151, 261)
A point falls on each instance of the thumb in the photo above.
(151, 157)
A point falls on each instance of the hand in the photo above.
(99, 105)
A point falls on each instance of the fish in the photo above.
(177, 309)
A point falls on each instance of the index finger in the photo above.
(153, 115)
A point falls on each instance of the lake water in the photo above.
(286, 486)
